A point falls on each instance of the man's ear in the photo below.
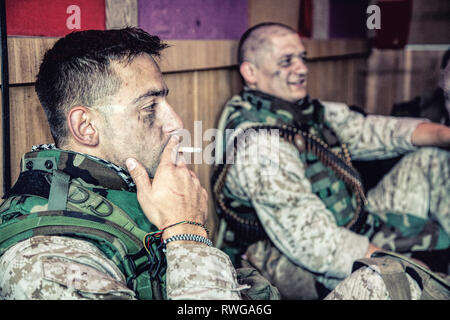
(248, 72)
(82, 127)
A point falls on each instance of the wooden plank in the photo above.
(338, 80)
(283, 11)
(400, 75)
(28, 125)
(25, 54)
(182, 91)
(121, 13)
(332, 48)
(185, 55)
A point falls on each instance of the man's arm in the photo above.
(431, 135)
(374, 136)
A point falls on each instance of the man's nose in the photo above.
(300, 66)
(171, 121)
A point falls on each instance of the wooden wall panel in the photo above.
(340, 80)
(191, 55)
(400, 75)
(26, 53)
(283, 11)
(28, 125)
(182, 91)
(335, 48)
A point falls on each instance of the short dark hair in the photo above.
(76, 71)
(249, 33)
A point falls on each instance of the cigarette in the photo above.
(189, 149)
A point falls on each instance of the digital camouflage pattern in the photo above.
(390, 276)
(414, 191)
(52, 267)
(213, 279)
(367, 284)
(303, 229)
(112, 183)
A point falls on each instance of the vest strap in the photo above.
(394, 267)
(393, 274)
(58, 191)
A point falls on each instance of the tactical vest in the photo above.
(47, 200)
(327, 162)
(393, 269)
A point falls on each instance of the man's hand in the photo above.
(174, 195)
(431, 134)
(371, 249)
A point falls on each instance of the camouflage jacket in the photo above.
(294, 218)
(51, 266)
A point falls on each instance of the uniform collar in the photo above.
(91, 169)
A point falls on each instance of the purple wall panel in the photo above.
(348, 18)
(194, 19)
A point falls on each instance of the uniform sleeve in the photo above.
(371, 137)
(200, 272)
(294, 218)
(59, 268)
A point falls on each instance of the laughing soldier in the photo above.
(304, 224)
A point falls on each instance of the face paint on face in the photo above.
(276, 74)
(282, 71)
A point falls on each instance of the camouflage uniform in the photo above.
(296, 220)
(55, 268)
(61, 267)
(367, 284)
(391, 276)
